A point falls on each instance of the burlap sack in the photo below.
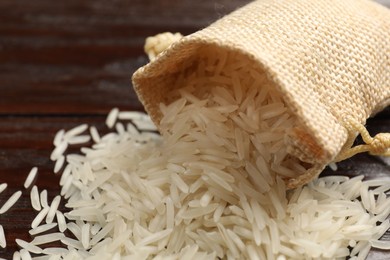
(330, 60)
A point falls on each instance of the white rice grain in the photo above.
(55, 251)
(94, 134)
(145, 125)
(102, 233)
(380, 244)
(53, 208)
(34, 197)
(59, 151)
(155, 237)
(3, 242)
(333, 166)
(364, 252)
(59, 163)
(73, 243)
(28, 246)
(38, 219)
(80, 139)
(252, 253)
(42, 228)
(211, 186)
(48, 238)
(43, 199)
(25, 255)
(85, 235)
(16, 255)
(3, 186)
(75, 229)
(45, 257)
(75, 131)
(130, 115)
(112, 117)
(61, 221)
(178, 181)
(58, 138)
(170, 209)
(30, 178)
(10, 202)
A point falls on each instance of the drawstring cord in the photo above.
(377, 145)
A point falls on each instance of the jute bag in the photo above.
(329, 59)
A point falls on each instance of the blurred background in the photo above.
(78, 56)
(63, 63)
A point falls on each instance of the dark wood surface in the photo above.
(63, 63)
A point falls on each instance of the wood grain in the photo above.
(69, 62)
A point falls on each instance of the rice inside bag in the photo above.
(328, 60)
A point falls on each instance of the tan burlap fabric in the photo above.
(330, 60)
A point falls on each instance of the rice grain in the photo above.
(211, 186)
(38, 219)
(34, 197)
(48, 238)
(112, 117)
(30, 178)
(3, 186)
(75, 131)
(10, 202)
(43, 199)
(28, 246)
(42, 228)
(25, 255)
(3, 242)
(53, 208)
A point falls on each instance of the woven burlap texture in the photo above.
(329, 59)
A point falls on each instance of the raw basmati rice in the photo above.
(58, 151)
(48, 238)
(41, 229)
(212, 186)
(75, 229)
(38, 219)
(73, 243)
(55, 251)
(30, 177)
(94, 134)
(130, 115)
(3, 242)
(29, 247)
(333, 166)
(16, 256)
(85, 232)
(75, 131)
(53, 208)
(25, 255)
(61, 221)
(34, 197)
(10, 202)
(3, 186)
(385, 245)
(59, 137)
(59, 163)
(112, 117)
(81, 139)
(43, 199)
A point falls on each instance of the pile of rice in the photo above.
(210, 187)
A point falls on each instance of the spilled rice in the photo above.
(211, 186)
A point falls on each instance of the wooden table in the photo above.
(69, 62)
